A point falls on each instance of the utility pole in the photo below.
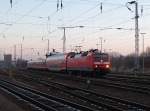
(47, 46)
(101, 40)
(97, 45)
(21, 53)
(78, 48)
(136, 34)
(64, 36)
(15, 53)
(143, 53)
(101, 43)
(64, 40)
(110, 55)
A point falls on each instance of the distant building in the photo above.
(2, 65)
(148, 51)
(7, 60)
(21, 64)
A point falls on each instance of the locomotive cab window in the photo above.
(84, 53)
(99, 57)
(71, 55)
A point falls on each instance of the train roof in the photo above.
(38, 60)
(54, 54)
(82, 53)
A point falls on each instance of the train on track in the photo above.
(37, 64)
(90, 62)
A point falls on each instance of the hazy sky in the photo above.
(28, 21)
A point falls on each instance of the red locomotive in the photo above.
(90, 62)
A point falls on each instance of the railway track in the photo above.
(135, 80)
(115, 81)
(41, 100)
(123, 86)
(115, 102)
(98, 105)
(137, 77)
(139, 74)
(110, 103)
(131, 78)
(99, 82)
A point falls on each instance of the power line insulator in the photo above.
(101, 7)
(141, 10)
(11, 3)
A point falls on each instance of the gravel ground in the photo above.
(7, 105)
(115, 92)
(11, 103)
(123, 94)
(55, 92)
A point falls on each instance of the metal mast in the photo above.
(64, 36)
(15, 53)
(64, 40)
(21, 53)
(136, 34)
(47, 46)
(143, 53)
(101, 40)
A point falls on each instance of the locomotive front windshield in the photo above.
(101, 57)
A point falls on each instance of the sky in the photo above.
(32, 22)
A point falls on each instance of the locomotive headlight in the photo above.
(96, 66)
(107, 66)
